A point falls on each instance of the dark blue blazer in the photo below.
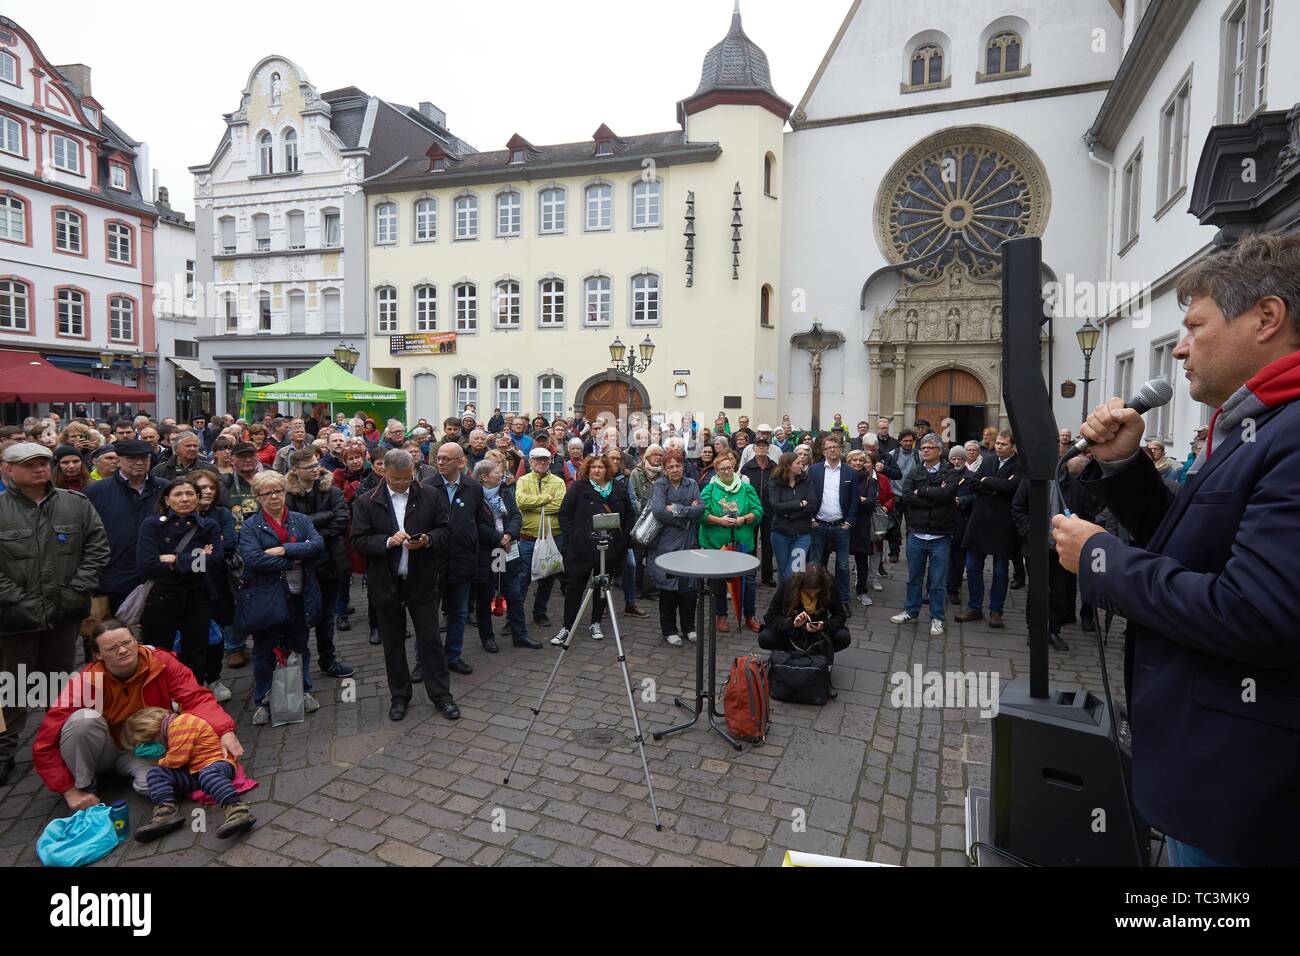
(1211, 591)
(123, 511)
(848, 488)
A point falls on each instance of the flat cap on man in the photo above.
(132, 448)
(23, 451)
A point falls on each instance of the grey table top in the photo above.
(706, 564)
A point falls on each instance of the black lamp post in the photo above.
(630, 366)
(1088, 336)
(346, 356)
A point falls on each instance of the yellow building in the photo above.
(502, 278)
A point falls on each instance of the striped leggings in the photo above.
(168, 785)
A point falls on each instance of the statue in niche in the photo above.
(953, 321)
(276, 86)
(997, 322)
(911, 325)
(975, 325)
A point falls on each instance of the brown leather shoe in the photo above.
(995, 619)
(237, 659)
(969, 615)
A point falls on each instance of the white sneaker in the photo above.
(310, 704)
(936, 628)
(559, 639)
(691, 636)
(902, 617)
(864, 600)
(596, 633)
(674, 640)
(262, 716)
(220, 691)
(877, 586)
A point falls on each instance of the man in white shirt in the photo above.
(837, 514)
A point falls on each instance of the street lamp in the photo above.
(625, 362)
(1088, 336)
(346, 356)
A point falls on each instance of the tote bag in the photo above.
(547, 560)
(287, 703)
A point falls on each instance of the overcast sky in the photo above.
(551, 71)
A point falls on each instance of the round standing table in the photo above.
(702, 566)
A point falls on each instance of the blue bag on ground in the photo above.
(82, 838)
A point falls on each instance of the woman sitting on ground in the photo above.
(806, 615)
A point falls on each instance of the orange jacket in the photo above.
(192, 744)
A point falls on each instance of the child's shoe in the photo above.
(239, 819)
(166, 819)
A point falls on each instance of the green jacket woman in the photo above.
(732, 511)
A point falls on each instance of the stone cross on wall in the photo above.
(816, 341)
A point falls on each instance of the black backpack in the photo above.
(801, 675)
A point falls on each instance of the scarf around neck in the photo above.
(731, 489)
(605, 489)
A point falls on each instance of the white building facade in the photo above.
(184, 388)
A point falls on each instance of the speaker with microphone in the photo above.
(1154, 394)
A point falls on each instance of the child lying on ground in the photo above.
(192, 760)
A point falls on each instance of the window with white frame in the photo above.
(645, 299)
(645, 204)
(1131, 200)
(92, 114)
(72, 312)
(509, 214)
(467, 217)
(332, 310)
(265, 155)
(189, 278)
(1173, 143)
(1160, 421)
(119, 243)
(13, 219)
(600, 207)
(508, 394)
(117, 176)
(426, 308)
(332, 228)
(426, 220)
(11, 135)
(1124, 374)
(264, 312)
(297, 224)
(386, 310)
(69, 231)
(232, 312)
(465, 389)
(227, 235)
(386, 223)
(14, 302)
(290, 151)
(121, 319)
(66, 153)
(297, 312)
(554, 211)
(599, 295)
(1247, 38)
(506, 304)
(8, 67)
(551, 396)
(262, 232)
(466, 294)
(552, 303)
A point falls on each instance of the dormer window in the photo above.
(517, 156)
(605, 149)
(439, 166)
(117, 177)
(92, 115)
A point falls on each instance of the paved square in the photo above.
(856, 778)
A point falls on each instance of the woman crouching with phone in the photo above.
(806, 615)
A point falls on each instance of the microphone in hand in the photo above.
(1114, 430)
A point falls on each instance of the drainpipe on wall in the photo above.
(1110, 245)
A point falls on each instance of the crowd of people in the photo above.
(249, 533)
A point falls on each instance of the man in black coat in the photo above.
(123, 502)
(990, 530)
(402, 567)
(471, 530)
(928, 497)
(311, 492)
(758, 471)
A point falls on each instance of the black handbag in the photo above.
(800, 676)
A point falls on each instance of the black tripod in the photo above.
(602, 581)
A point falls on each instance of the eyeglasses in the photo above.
(278, 493)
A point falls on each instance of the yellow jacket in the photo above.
(536, 496)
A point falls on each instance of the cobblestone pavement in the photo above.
(350, 788)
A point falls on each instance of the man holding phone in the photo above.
(401, 528)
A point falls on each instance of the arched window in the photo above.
(8, 67)
(1003, 54)
(464, 392)
(466, 294)
(552, 303)
(645, 299)
(927, 65)
(386, 223)
(426, 308)
(121, 318)
(509, 214)
(600, 207)
(467, 217)
(505, 304)
(331, 227)
(554, 210)
(13, 218)
(769, 175)
(69, 229)
(71, 307)
(386, 310)
(11, 135)
(265, 155)
(599, 293)
(765, 307)
(15, 302)
(508, 394)
(121, 243)
(290, 151)
(426, 220)
(551, 396)
(645, 204)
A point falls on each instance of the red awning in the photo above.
(27, 377)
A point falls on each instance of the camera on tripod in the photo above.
(602, 525)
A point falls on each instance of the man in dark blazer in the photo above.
(1209, 584)
(990, 530)
(402, 564)
(471, 530)
(837, 513)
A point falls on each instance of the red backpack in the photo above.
(746, 700)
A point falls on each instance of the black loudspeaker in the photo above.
(1054, 764)
(1057, 799)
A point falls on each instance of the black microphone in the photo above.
(1153, 394)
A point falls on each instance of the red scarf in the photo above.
(281, 531)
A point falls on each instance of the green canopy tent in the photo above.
(329, 383)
